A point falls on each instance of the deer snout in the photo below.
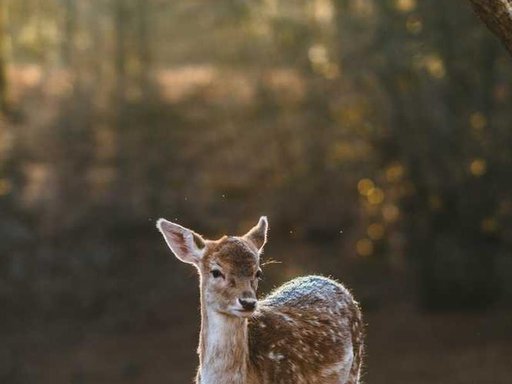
(248, 304)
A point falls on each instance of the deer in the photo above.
(308, 331)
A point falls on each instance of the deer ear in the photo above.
(187, 245)
(258, 234)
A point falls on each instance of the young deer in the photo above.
(308, 331)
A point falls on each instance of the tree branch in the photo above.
(497, 15)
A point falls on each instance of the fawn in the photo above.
(308, 331)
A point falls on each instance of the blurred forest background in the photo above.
(375, 134)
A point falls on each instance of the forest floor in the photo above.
(404, 346)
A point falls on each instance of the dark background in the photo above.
(375, 134)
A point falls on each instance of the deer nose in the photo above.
(247, 304)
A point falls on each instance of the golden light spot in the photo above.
(435, 66)
(394, 172)
(376, 231)
(364, 247)
(435, 202)
(405, 5)
(489, 225)
(375, 196)
(390, 213)
(323, 11)
(365, 186)
(5, 187)
(319, 58)
(478, 167)
(318, 54)
(414, 25)
(477, 121)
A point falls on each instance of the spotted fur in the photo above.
(304, 333)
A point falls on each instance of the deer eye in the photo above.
(259, 274)
(216, 273)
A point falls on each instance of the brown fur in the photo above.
(299, 340)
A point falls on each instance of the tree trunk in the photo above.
(497, 15)
(143, 41)
(3, 64)
(69, 33)
(120, 54)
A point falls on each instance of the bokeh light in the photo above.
(376, 231)
(364, 247)
(405, 5)
(478, 167)
(365, 186)
(390, 213)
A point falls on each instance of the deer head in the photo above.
(229, 268)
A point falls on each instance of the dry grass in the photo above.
(404, 346)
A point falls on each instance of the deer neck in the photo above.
(223, 348)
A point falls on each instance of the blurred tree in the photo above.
(3, 58)
(217, 111)
(408, 55)
(70, 26)
(144, 43)
(121, 19)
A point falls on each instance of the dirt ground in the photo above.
(403, 346)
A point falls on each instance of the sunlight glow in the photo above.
(375, 196)
(376, 231)
(405, 5)
(364, 247)
(323, 11)
(478, 167)
(394, 172)
(365, 186)
(390, 213)
(435, 66)
(318, 54)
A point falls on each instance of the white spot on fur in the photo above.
(275, 356)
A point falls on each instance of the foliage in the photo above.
(385, 120)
